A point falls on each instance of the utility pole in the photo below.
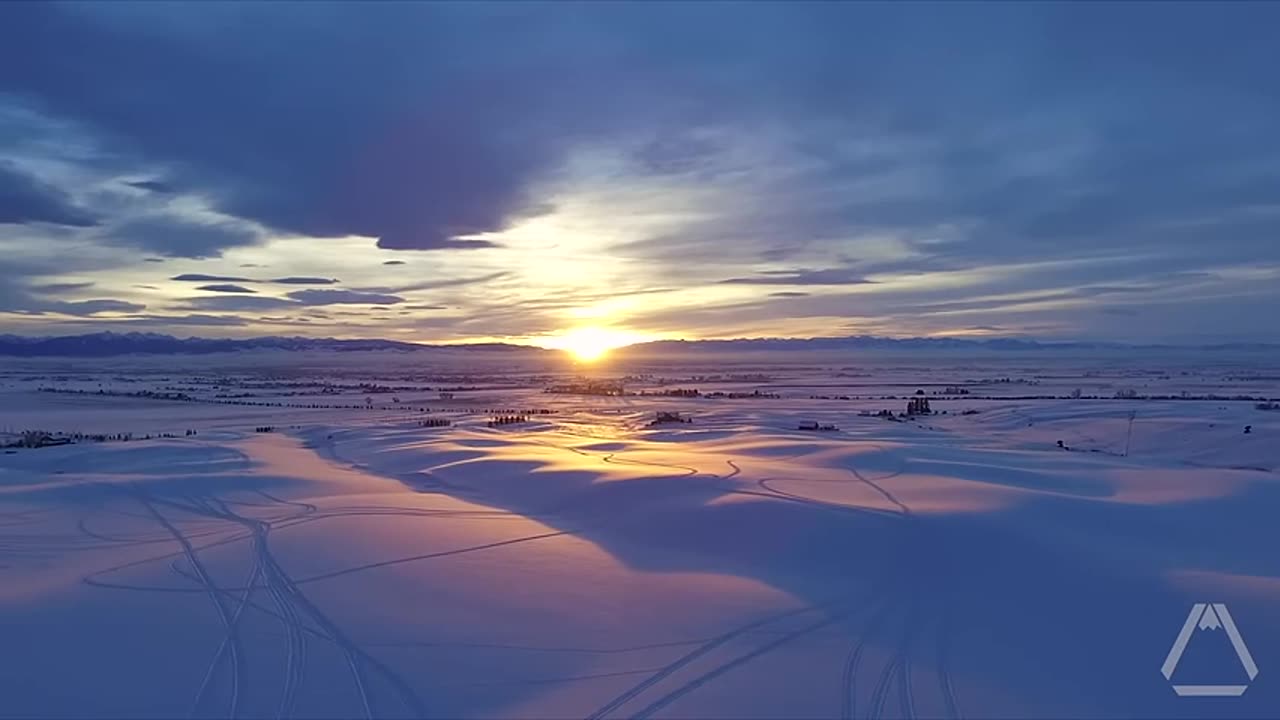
(1129, 435)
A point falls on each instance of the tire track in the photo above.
(739, 661)
(289, 600)
(849, 698)
(905, 582)
(690, 657)
(906, 698)
(903, 509)
(944, 674)
(93, 580)
(777, 494)
(428, 556)
(355, 656)
(214, 595)
(200, 508)
(227, 638)
(295, 646)
(282, 592)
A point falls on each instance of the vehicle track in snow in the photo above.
(276, 584)
(849, 694)
(775, 493)
(710, 675)
(231, 629)
(693, 655)
(897, 668)
(910, 585)
(291, 606)
(946, 685)
(875, 485)
(95, 578)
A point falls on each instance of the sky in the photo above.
(535, 172)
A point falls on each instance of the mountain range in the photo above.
(105, 344)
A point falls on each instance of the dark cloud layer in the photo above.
(178, 237)
(427, 122)
(305, 281)
(426, 152)
(227, 288)
(26, 199)
(199, 277)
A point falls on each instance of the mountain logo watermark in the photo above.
(1209, 617)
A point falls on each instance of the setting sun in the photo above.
(590, 344)
(588, 352)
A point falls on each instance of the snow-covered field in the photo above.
(353, 562)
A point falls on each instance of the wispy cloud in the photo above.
(200, 277)
(830, 276)
(305, 281)
(343, 297)
(59, 288)
(226, 288)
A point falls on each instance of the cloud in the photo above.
(446, 283)
(90, 307)
(161, 322)
(588, 150)
(467, 139)
(155, 186)
(226, 288)
(343, 297)
(174, 236)
(830, 276)
(238, 303)
(305, 281)
(16, 298)
(59, 288)
(26, 199)
(436, 241)
(198, 277)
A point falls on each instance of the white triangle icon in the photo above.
(1206, 616)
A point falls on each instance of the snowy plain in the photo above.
(355, 562)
